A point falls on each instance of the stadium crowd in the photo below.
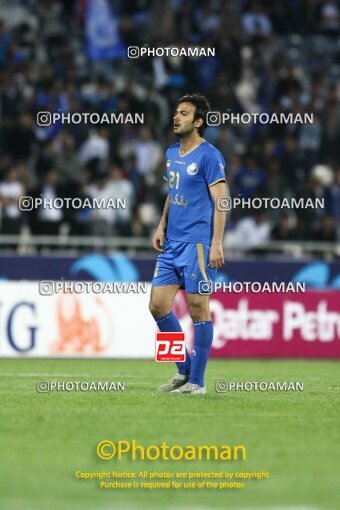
(277, 56)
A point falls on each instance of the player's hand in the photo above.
(216, 256)
(158, 239)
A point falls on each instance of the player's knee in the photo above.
(199, 311)
(157, 309)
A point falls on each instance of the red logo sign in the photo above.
(170, 346)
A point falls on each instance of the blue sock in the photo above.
(200, 353)
(170, 323)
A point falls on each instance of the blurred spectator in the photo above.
(256, 23)
(332, 199)
(136, 179)
(310, 216)
(276, 181)
(329, 144)
(122, 189)
(136, 227)
(288, 84)
(148, 153)
(250, 179)
(309, 142)
(326, 233)
(283, 230)
(95, 147)
(102, 219)
(225, 142)
(11, 189)
(20, 140)
(51, 23)
(46, 220)
(252, 231)
(330, 18)
(67, 161)
(292, 163)
(5, 40)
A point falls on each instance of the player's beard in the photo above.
(184, 133)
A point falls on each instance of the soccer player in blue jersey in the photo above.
(189, 238)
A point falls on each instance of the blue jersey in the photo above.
(191, 208)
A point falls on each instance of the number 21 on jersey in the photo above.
(174, 176)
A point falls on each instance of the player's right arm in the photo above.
(159, 236)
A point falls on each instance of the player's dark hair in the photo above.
(202, 108)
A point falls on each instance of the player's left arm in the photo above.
(216, 261)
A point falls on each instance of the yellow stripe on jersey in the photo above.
(215, 182)
(200, 254)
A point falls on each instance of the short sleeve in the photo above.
(213, 168)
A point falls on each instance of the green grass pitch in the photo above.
(46, 437)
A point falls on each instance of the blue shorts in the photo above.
(184, 264)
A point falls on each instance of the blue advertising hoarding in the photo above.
(118, 267)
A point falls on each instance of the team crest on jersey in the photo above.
(168, 163)
(192, 169)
